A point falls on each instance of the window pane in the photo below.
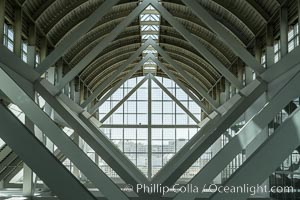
(182, 133)
(157, 107)
(156, 145)
(116, 133)
(142, 119)
(142, 107)
(117, 118)
(156, 133)
(142, 146)
(156, 94)
(156, 160)
(10, 46)
(10, 34)
(169, 134)
(181, 119)
(142, 160)
(164, 141)
(130, 119)
(168, 107)
(142, 94)
(169, 146)
(129, 146)
(131, 107)
(156, 119)
(169, 119)
(129, 133)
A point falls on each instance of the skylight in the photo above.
(150, 26)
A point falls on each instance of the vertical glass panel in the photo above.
(156, 107)
(131, 106)
(10, 46)
(142, 146)
(130, 146)
(168, 107)
(142, 160)
(117, 118)
(169, 133)
(142, 119)
(181, 119)
(129, 133)
(142, 94)
(10, 34)
(169, 146)
(142, 133)
(182, 133)
(142, 107)
(156, 94)
(156, 145)
(116, 133)
(156, 119)
(156, 160)
(169, 119)
(156, 133)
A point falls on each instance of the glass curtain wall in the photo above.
(171, 127)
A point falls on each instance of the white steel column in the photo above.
(2, 14)
(149, 129)
(17, 31)
(31, 52)
(255, 108)
(284, 30)
(269, 45)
